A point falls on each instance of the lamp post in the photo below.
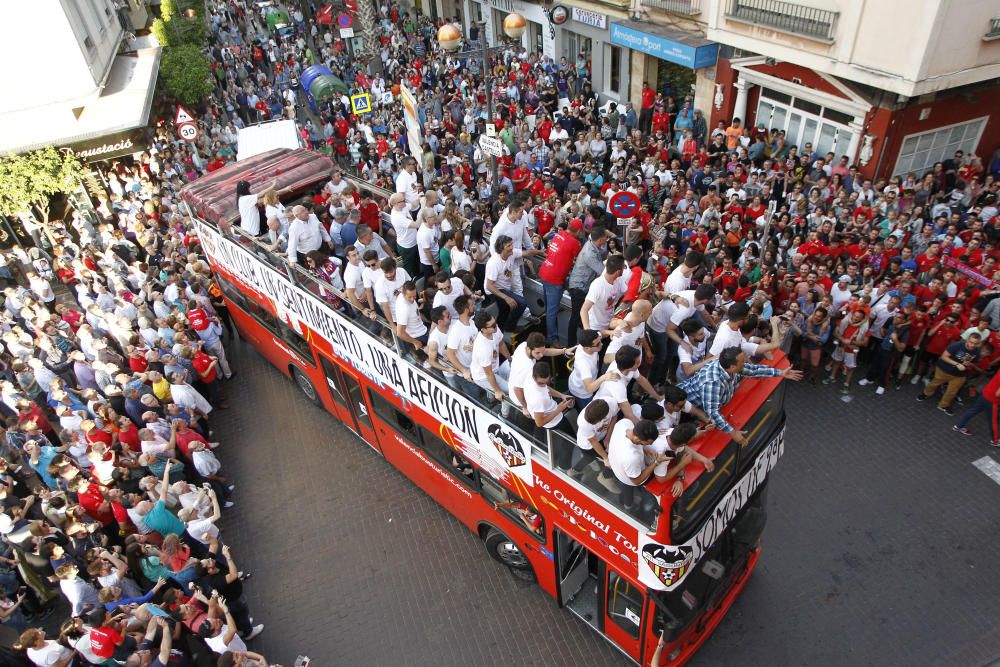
(450, 37)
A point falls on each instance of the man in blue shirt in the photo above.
(714, 385)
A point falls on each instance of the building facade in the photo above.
(77, 84)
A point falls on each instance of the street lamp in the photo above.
(450, 37)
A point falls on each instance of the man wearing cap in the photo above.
(841, 292)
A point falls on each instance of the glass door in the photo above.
(349, 400)
(624, 607)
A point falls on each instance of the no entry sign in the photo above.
(624, 205)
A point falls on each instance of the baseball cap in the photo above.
(575, 225)
(844, 278)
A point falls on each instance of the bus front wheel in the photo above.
(505, 551)
(305, 385)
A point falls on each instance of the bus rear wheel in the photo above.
(305, 385)
(505, 551)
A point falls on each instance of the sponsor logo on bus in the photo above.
(654, 574)
(668, 563)
(507, 445)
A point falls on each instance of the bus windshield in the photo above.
(701, 496)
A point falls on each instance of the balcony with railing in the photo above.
(818, 24)
(994, 32)
(684, 7)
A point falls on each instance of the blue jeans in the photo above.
(553, 298)
(509, 317)
(981, 405)
(662, 348)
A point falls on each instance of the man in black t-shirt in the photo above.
(952, 370)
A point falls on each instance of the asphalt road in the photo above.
(878, 550)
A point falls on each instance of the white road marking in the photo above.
(989, 467)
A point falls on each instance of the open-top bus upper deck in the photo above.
(654, 544)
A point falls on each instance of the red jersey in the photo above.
(185, 439)
(946, 334)
(201, 363)
(129, 436)
(562, 252)
(91, 501)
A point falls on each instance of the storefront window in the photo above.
(615, 80)
(804, 122)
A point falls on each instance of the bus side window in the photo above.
(451, 460)
(624, 604)
(391, 415)
(518, 511)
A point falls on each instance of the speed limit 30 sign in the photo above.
(187, 131)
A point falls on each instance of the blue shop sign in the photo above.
(694, 56)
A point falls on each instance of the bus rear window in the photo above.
(702, 495)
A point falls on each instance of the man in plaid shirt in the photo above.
(714, 385)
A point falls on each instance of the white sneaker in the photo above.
(915, 379)
(879, 391)
(863, 382)
(257, 629)
(927, 381)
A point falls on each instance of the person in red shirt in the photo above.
(988, 401)
(28, 411)
(128, 435)
(92, 500)
(930, 257)
(559, 258)
(646, 110)
(206, 366)
(939, 336)
(544, 218)
(726, 276)
(521, 178)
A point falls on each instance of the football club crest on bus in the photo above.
(668, 563)
(507, 445)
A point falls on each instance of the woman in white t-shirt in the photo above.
(273, 208)
(43, 652)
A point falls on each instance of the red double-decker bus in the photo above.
(667, 567)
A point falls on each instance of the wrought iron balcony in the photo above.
(685, 7)
(789, 17)
(994, 32)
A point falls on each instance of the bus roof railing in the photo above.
(598, 486)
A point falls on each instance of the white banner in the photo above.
(414, 135)
(479, 434)
(665, 566)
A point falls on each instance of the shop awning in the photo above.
(674, 46)
(123, 105)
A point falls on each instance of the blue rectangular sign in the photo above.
(694, 57)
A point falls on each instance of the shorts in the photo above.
(850, 359)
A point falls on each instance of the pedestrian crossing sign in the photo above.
(361, 103)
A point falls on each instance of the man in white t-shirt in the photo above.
(694, 355)
(437, 344)
(499, 282)
(630, 331)
(603, 296)
(626, 456)
(734, 332)
(540, 402)
(486, 369)
(585, 379)
(461, 337)
(428, 246)
(671, 445)
(406, 184)
(593, 430)
(410, 329)
(523, 360)
(448, 289)
(679, 279)
(615, 391)
(354, 282)
(388, 287)
(405, 227)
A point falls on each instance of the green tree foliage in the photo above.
(28, 181)
(186, 74)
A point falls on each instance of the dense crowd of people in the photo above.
(744, 247)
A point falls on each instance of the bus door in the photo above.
(598, 595)
(349, 400)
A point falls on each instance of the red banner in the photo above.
(966, 271)
(325, 15)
